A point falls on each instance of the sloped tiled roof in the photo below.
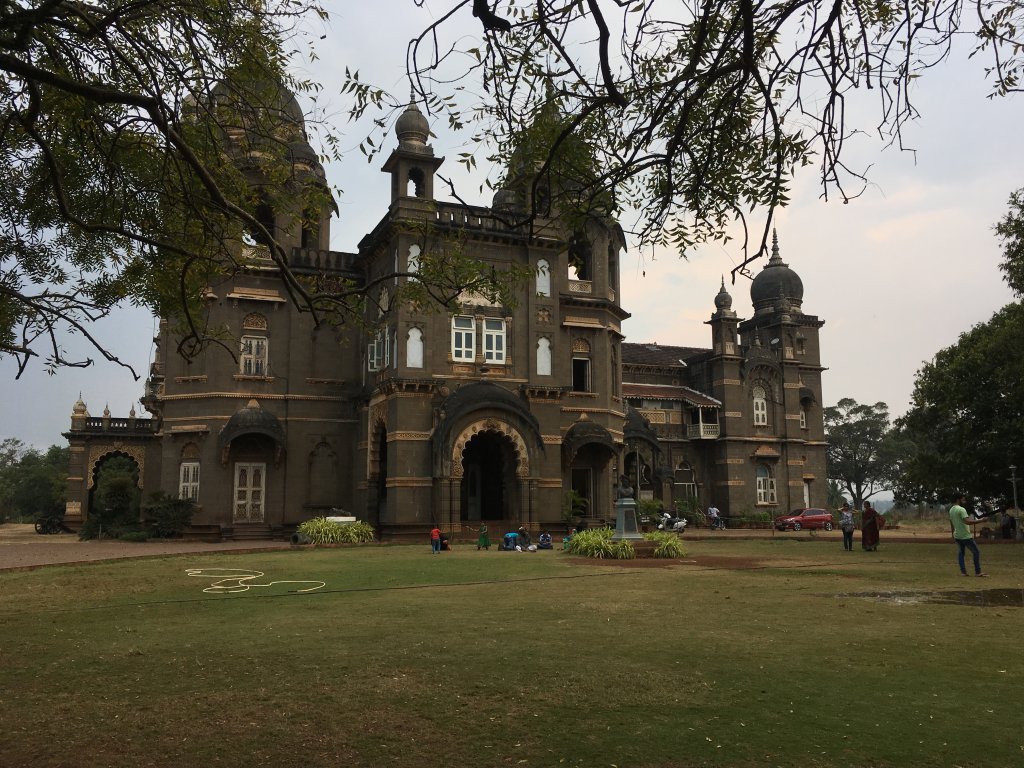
(657, 354)
(669, 392)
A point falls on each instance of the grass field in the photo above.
(757, 653)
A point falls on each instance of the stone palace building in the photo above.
(490, 413)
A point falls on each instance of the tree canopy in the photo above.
(967, 415)
(32, 483)
(698, 114)
(113, 181)
(1010, 231)
(863, 457)
(681, 119)
(967, 412)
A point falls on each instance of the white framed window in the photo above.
(765, 485)
(249, 491)
(803, 417)
(760, 402)
(378, 352)
(188, 480)
(463, 338)
(253, 359)
(494, 340)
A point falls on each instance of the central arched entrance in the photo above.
(489, 490)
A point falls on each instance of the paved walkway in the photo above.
(22, 547)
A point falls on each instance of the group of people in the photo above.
(871, 523)
(960, 523)
(519, 541)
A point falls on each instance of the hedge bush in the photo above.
(669, 545)
(597, 543)
(320, 530)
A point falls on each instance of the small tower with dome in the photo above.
(412, 164)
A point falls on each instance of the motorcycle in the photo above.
(672, 524)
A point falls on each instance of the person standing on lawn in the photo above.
(963, 536)
(870, 524)
(435, 541)
(483, 541)
(847, 526)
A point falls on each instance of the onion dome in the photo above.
(504, 200)
(79, 407)
(723, 301)
(776, 280)
(412, 127)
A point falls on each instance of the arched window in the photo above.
(414, 348)
(543, 278)
(412, 264)
(760, 403)
(765, 485)
(803, 416)
(415, 185)
(543, 357)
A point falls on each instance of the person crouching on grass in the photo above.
(963, 536)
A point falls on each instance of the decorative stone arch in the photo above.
(491, 425)
(97, 453)
(581, 345)
(254, 321)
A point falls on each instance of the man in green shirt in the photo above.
(963, 535)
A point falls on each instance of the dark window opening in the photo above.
(416, 181)
(580, 374)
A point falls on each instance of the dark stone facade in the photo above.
(492, 413)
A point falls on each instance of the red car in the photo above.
(805, 518)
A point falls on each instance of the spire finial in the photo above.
(775, 246)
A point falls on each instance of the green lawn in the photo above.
(475, 658)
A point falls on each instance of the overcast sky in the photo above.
(896, 275)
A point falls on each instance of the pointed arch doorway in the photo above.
(488, 490)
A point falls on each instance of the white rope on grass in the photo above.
(228, 580)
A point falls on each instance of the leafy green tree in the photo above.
(967, 415)
(11, 451)
(1011, 232)
(862, 455)
(32, 483)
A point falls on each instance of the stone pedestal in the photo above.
(625, 521)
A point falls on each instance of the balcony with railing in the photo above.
(703, 431)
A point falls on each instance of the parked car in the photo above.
(805, 518)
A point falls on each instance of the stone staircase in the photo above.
(249, 532)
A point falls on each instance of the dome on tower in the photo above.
(774, 281)
(723, 301)
(412, 127)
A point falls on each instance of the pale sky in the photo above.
(896, 275)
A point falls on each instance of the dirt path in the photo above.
(21, 547)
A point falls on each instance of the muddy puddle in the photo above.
(983, 598)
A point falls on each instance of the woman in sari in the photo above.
(483, 541)
(870, 524)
